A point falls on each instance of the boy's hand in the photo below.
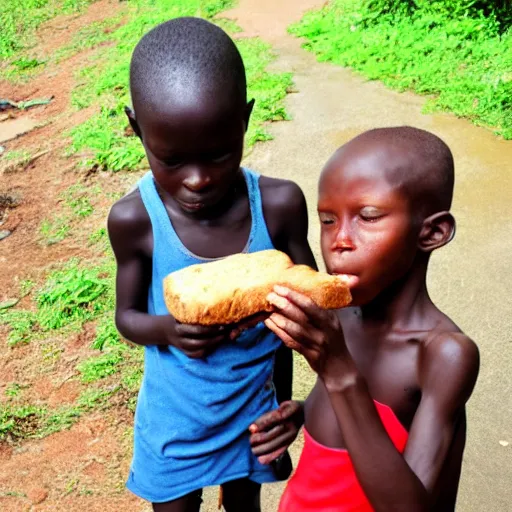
(247, 323)
(196, 341)
(275, 431)
(313, 332)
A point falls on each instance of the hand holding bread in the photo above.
(234, 288)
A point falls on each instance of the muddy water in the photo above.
(470, 279)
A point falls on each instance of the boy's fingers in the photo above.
(263, 437)
(266, 421)
(281, 442)
(297, 333)
(267, 459)
(285, 338)
(287, 308)
(270, 419)
(307, 307)
(200, 331)
(297, 298)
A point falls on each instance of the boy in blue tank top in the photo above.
(202, 386)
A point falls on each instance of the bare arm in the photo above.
(449, 374)
(130, 235)
(449, 371)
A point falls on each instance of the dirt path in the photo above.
(470, 279)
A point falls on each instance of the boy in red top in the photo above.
(385, 424)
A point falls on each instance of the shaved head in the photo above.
(418, 162)
(186, 60)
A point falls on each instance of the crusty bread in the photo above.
(229, 290)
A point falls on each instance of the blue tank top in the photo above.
(192, 415)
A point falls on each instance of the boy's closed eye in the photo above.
(326, 218)
(173, 162)
(371, 213)
(218, 157)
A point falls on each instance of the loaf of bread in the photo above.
(231, 289)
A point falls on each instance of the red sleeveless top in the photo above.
(325, 480)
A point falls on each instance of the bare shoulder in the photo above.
(128, 221)
(450, 366)
(281, 195)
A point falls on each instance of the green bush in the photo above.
(463, 63)
(373, 11)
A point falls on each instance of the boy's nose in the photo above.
(196, 180)
(343, 240)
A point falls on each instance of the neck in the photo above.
(403, 304)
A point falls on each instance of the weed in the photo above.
(24, 63)
(91, 398)
(77, 199)
(19, 21)
(70, 294)
(87, 37)
(54, 231)
(15, 494)
(19, 421)
(50, 353)
(99, 367)
(71, 486)
(106, 333)
(26, 287)
(19, 155)
(13, 390)
(31, 421)
(100, 235)
(21, 325)
(57, 420)
(462, 60)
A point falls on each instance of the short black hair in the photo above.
(426, 169)
(186, 52)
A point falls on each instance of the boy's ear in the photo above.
(436, 231)
(248, 112)
(133, 121)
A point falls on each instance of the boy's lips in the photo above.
(191, 206)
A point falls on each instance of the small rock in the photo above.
(504, 443)
(37, 495)
(4, 233)
(9, 303)
(2, 149)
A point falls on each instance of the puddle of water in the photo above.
(13, 128)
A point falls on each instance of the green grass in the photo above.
(78, 201)
(463, 62)
(70, 297)
(88, 37)
(54, 231)
(101, 141)
(19, 155)
(19, 21)
(20, 421)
